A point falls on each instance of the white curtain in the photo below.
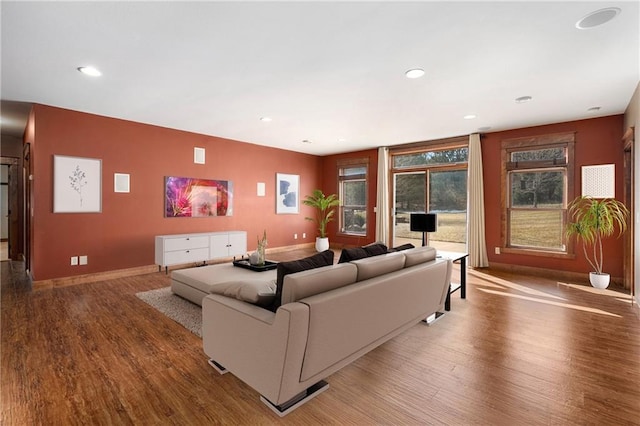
(382, 203)
(475, 209)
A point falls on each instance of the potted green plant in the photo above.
(325, 209)
(590, 220)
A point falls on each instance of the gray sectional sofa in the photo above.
(328, 317)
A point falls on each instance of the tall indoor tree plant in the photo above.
(591, 220)
(325, 209)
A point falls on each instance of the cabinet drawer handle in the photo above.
(188, 251)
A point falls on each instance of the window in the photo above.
(431, 177)
(432, 158)
(538, 174)
(352, 180)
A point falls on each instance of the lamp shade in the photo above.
(424, 222)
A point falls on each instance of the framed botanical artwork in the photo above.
(77, 185)
(193, 197)
(287, 193)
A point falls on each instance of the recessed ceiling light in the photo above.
(593, 109)
(523, 99)
(265, 119)
(341, 140)
(306, 141)
(469, 116)
(92, 71)
(597, 18)
(414, 73)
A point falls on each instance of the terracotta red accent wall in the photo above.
(598, 141)
(122, 236)
(330, 186)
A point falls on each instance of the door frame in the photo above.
(14, 219)
(628, 199)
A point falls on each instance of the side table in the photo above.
(462, 285)
(453, 286)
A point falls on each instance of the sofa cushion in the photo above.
(355, 253)
(379, 265)
(307, 283)
(324, 258)
(257, 291)
(418, 255)
(206, 277)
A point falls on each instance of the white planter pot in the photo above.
(599, 280)
(322, 244)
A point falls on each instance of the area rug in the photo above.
(185, 313)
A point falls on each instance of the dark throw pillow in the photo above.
(402, 247)
(324, 258)
(375, 249)
(354, 253)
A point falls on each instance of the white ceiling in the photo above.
(329, 72)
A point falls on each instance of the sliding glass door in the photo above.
(448, 198)
(434, 182)
(409, 196)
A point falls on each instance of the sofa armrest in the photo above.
(261, 348)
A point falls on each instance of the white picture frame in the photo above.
(199, 155)
(77, 184)
(287, 193)
(121, 182)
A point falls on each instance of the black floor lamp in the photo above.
(424, 222)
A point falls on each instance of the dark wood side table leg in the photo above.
(463, 278)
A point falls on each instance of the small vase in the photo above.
(261, 256)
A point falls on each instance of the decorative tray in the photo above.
(244, 263)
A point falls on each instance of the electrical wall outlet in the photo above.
(74, 260)
(295, 236)
(84, 260)
(497, 250)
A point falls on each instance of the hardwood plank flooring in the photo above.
(519, 350)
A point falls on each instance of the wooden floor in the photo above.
(519, 350)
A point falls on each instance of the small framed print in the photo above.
(287, 193)
(121, 182)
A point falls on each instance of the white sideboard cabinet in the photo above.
(193, 248)
(227, 244)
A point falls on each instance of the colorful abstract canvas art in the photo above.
(191, 197)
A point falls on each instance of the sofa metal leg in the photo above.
(295, 402)
(433, 318)
(219, 368)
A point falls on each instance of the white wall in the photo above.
(632, 119)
